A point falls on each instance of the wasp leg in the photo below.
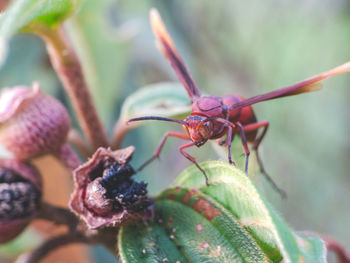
(192, 159)
(244, 144)
(222, 141)
(160, 147)
(228, 143)
(264, 125)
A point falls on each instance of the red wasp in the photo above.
(213, 117)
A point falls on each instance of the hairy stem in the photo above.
(119, 131)
(79, 234)
(68, 68)
(338, 249)
(75, 139)
(68, 157)
(58, 215)
(50, 245)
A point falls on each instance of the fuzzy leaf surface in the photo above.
(233, 189)
(189, 227)
(167, 99)
(227, 221)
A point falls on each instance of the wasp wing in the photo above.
(309, 85)
(168, 49)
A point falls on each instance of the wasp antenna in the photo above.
(338, 70)
(157, 118)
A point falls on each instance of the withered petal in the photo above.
(81, 181)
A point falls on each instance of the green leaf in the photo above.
(27, 14)
(312, 248)
(168, 99)
(26, 241)
(217, 223)
(190, 227)
(233, 189)
(297, 247)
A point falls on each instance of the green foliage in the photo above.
(25, 242)
(167, 99)
(225, 222)
(27, 14)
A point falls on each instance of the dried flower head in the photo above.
(105, 194)
(31, 122)
(20, 195)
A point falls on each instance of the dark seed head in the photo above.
(20, 195)
(120, 187)
(18, 200)
(9, 176)
(105, 192)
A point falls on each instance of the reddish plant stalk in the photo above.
(74, 138)
(119, 131)
(338, 249)
(69, 70)
(58, 215)
(39, 253)
(68, 157)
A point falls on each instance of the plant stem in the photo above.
(69, 70)
(338, 249)
(80, 234)
(58, 215)
(44, 249)
(78, 142)
(119, 131)
(68, 157)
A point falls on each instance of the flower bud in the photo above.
(105, 193)
(32, 123)
(20, 195)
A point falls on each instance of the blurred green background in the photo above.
(231, 47)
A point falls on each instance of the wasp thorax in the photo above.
(20, 196)
(105, 192)
(32, 123)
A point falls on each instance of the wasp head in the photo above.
(198, 129)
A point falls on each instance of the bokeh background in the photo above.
(231, 47)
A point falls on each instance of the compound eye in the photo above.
(205, 130)
(185, 129)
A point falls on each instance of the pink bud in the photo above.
(32, 123)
